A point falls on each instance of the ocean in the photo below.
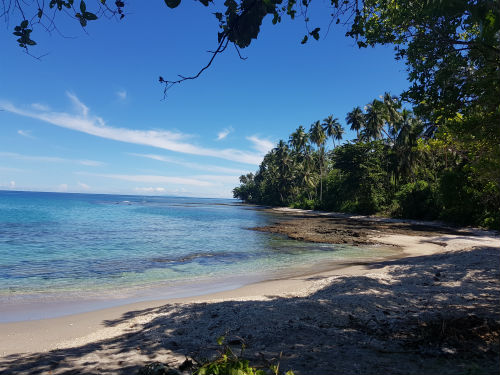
(64, 253)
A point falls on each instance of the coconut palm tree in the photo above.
(410, 130)
(298, 139)
(330, 125)
(392, 115)
(284, 161)
(338, 132)
(318, 137)
(375, 120)
(356, 118)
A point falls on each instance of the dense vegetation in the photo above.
(439, 161)
(399, 165)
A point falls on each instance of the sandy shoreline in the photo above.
(352, 319)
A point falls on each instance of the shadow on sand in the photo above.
(432, 314)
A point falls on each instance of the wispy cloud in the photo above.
(25, 133)
(262, 145)
(196, 166)
(233, 180)
(50, 159)
(152, 179)
(82, 121)
(121, 94)
(150, 189)
(40, 107)
(79, 106)
(83, 186)
(10, 169)
(224, 133)
(90, 163)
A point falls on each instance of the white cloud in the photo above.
(164, 139)
(153, 179)
(79, 106)
(90, 163)
(62, 188)
(121, 94)
(9, 169)
(224, 133)
(202, 167)
(260, 144)
(50, 159)
(25, 133)
(150, 189)
(220, 180)
(83, 186)
(40, 107)
(12, 184)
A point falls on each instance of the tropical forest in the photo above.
(400, 165)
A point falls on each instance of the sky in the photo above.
(89, 116)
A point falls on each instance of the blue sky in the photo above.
(90, 115)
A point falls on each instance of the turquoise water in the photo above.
(87, 246)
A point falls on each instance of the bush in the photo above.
(417, 200)
(305, 204)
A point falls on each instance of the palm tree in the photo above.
(298, 139)
(284, 161)
(375, 120)
(392, 115)
(356, 119)
(330, 125)
(318, 137)
(410, 129)
(338, 132)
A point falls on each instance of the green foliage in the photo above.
(362, 180)
(304, 203)
(417, 200)
(229, 363)
(465, 200)
(415, 171)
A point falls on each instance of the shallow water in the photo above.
(58, 248)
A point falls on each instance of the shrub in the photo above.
(417, 200)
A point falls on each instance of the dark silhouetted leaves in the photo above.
(89, 16)
(315, 33)
(23, 33)
(173, 3)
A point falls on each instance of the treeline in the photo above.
(399, 165)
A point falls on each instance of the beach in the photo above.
(432, 309)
